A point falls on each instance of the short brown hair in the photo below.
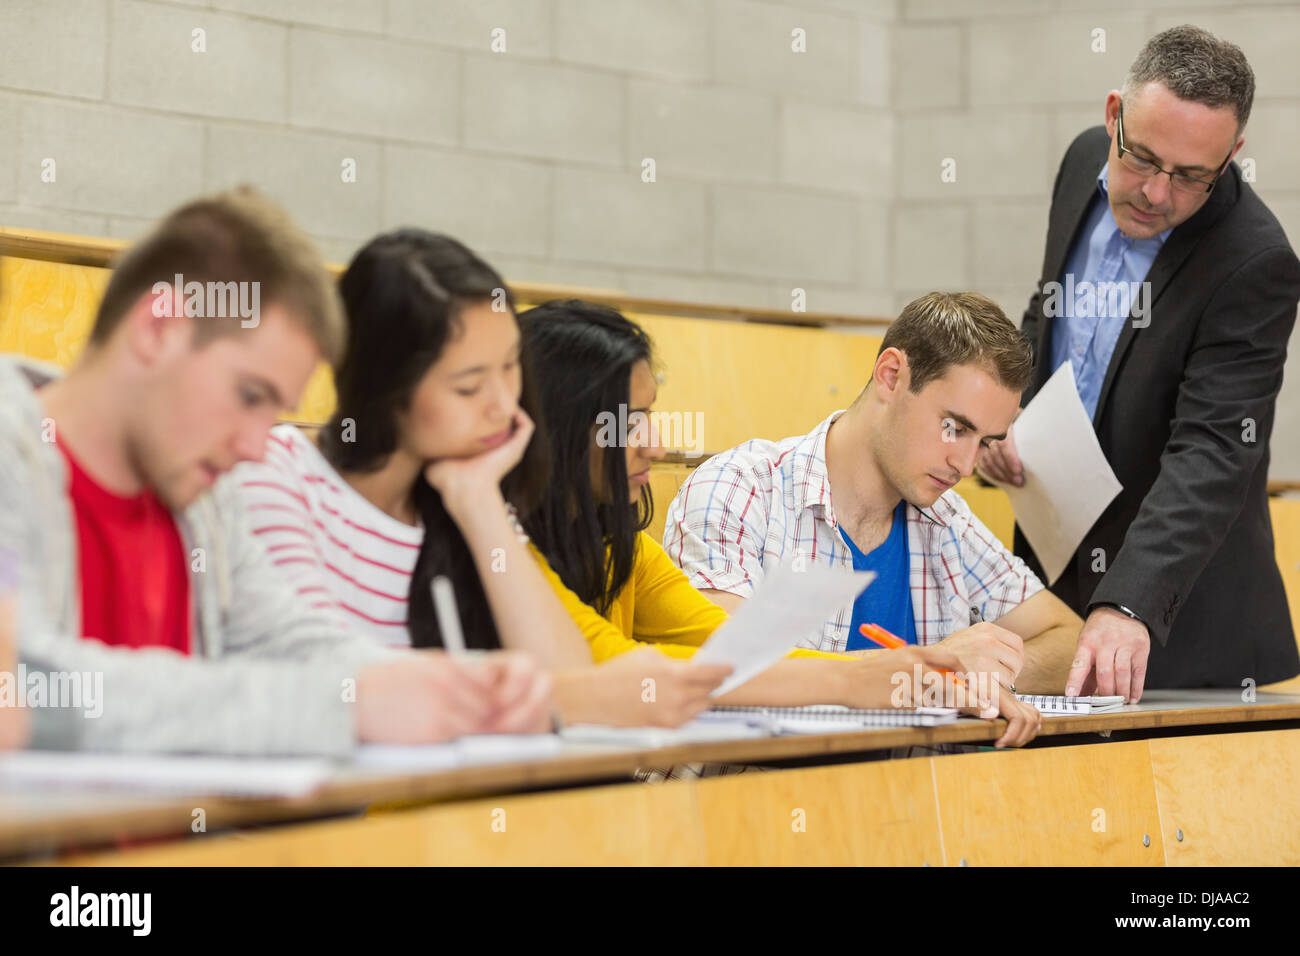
(236, 236)
(943, 329)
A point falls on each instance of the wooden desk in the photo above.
(1227, 799)
(38, 823)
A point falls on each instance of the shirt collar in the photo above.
(812, 484)
(1103, 185)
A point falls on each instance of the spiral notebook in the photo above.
(833, 718)
(1053, 706)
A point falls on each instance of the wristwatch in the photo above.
(1128, 612)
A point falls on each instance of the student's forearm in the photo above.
(528, 613)
(1048, 656)
(797, 682)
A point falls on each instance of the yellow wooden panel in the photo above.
(755, 381)
(318, 398)
(1236, 798)
(1286, 547)
(992, 506)
(868, 814)
(1048, 807)
(624, 825)
(48, 308)
(665, 479)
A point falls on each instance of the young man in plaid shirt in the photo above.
(871, 488)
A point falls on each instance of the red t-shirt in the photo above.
(135, 591)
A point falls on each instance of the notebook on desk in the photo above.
(1060, 706)
(834, 718)
(720, 724)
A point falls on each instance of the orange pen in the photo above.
(876, 633)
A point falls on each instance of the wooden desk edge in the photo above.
(351, 794)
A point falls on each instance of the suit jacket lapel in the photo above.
(1171, 256)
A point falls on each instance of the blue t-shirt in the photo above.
(888, 601)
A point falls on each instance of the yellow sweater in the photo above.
(658, 606)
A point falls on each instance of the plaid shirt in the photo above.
(763, 504)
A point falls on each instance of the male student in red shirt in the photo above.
(138, 583)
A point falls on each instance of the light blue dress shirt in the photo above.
(1100, 274)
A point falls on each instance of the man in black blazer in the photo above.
(1183, 379)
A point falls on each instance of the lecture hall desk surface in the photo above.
(1184, 778)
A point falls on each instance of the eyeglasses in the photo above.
(1179, 181)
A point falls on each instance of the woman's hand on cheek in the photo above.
(465, 479)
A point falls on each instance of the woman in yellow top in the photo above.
(588, 362)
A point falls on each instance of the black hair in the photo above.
(582, 355)
(403, 294)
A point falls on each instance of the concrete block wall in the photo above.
(774, 169)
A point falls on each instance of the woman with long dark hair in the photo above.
(422, 472)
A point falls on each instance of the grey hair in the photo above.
(1195, 65)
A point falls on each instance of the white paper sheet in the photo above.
(787, 606)
(169, 774)
(464, 752)
(1068, 482)
(702, 729)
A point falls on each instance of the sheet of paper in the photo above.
(1068, 482)
(507, 748)
(171, 774)
(700, 730)
(467, 751)
(788, 606)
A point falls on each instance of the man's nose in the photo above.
(250, 441)
(964, 457)
(1157, 189)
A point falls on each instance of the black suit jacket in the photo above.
(1188, 544)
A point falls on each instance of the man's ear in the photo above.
(890, 373)
(155, 328)
(1241, 141)
(1112, 111)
